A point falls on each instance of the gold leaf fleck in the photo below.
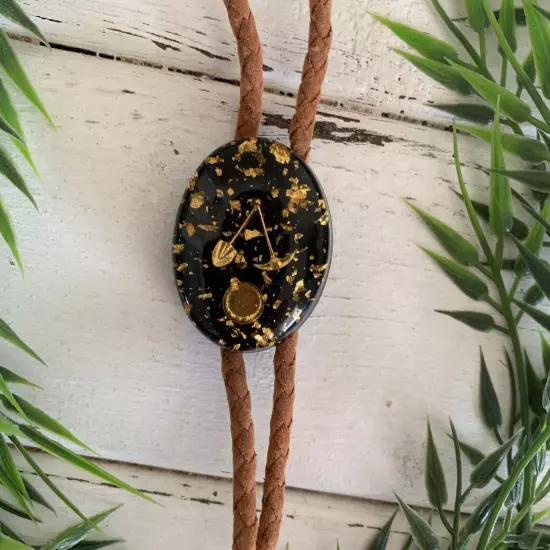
(230, 191)
(280, 152)
(229, 323)
(323, 220)
(296, 164)
(276, 304)
(298, 236)
(248, 146)
(237, 347)
(230, 234)
(251, 234)
(178, 248)
(235, 205)
(187, 307)
(308, 294)
(219, 193)
(190, 228)
(296, 314)
(267, 279)
(193, 181)
(250, 172)
(205, 296)
(206, 227)
(318, 268)
(299, 287)
(181, 267)
(274, 193)
(240, 260)
(221, 342)
(219, 171)
(295, 181)
(285, 171)
(197, 200)
(285, 213)
(256, 325)
(205, 266)
(268, 333)
(214, 160)
(179, 283)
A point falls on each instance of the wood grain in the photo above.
(128, 372)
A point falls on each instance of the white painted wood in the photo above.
(195, 512)
(130, 374)
(195, 35)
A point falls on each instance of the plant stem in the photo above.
(498, 436)
(485, 271)
(483, 46)
(514, 287)
(466, 494)
(504, 330)
(494, 304)
(445, 521)
(539, 124)
(503, 72)
(458, 495)
(513, 407)
(499, 252)
(505, 491)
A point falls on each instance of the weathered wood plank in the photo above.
(127, 370)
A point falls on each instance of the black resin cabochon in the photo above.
(252, 244)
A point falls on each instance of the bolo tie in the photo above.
(251, 250)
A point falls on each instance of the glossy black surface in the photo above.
(232, 184)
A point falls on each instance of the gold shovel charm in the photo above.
(224, 252)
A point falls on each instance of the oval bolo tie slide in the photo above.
(252, 244)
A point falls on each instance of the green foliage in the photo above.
(381, 540)
(421, 531)
(521, 458)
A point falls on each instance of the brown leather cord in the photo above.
(245, 524)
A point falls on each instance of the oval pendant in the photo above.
(252, 244)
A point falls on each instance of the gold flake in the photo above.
(260, 158)
(193, 181)
(278, 239)
(318, 268)
(214, 160)
(206, 227)
(276, 304)
(181, 267)
(221, 342)
(240, 260)
(229, 323)
(295, 181)
(261, 340)
(285, 213)
(312, 257)
(235, 205)
(178, 248)
(197, 200)
(321, 205)
(219, 193)
(266, 278)
(290, 278)
(323, 220)
(230, 234)
(285, 171)
(179, 283)
(268, 333)
(287, 227)
(317, 275)
(274, 193)
(206, 296)
(264, 297)
(230, 191)
(219, 171)
(237, 347)
(190, 228)
(299, 287)
(280, 152)
(308, 294)
(205, 266)
(248, 146)
(251, 234)
(298, 236)
(296, 314)
(250, 172)
(296, 164)
(256, 325)
(187, 307)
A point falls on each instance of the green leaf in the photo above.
(62, 452)
(8, 129)
(545, 352)
(538, 269)
(531, 211)
(542, 11)
(539, 316)
(436, 486)
(8, 233)
(476, 15)
(10, 171)
(507, 22)
(519, 14)
(440, 72)
(408, 543)
(421, 532)
(9, 335)
(528, 149)
(7, 507)
(12, 534)
(519, 228)
(535, 179)
(9, 484)
(454, 243)
(422, 42)
(530, 70)
(474, 319)
(11, 10)
(10, 467)
(531, 540)
(486, 470)
(510, 105)
(8, 396)
(43, 420)
(515, 494)
(7, 427)
(539, 31)
(73, 535)
(490, 406)
(463, 278)
(501, 216)
(97, 544)
(13, 68)
(474, 456)
(533, 295)
(45, 478)
(481, 114)
(10, 114)
(534, 387)
(7, 543)
(381, 540)
(479, 516)
(12, 378)
(534, 241)
(36, 496)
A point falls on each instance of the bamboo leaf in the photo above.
(479, 516)
(10, 399)
(534, 241)
(528, 149)
(12, 378)
(36, 416)
(515, 494)
(381, 540)
(7, 543)
(535, 179)
(501, 216)
(9, 335)
(481, 114)
(10, 114)
(8, 129)
(10, 9)
(539, 31)
(474, 456)
(422, 42)
(486, 470)
(7, 427)
(17, 512)
(476, 15)
(534, 387)
(533, 295)
(8, 483)
(10, 467)
(436, 486)
(36, 496)
(98, 544)
(519, 14)
(474, 319)
(510, 105)
(45, 478)
(421, 532)
(531, 540)
(543, 319)
(7, 531)
(529, 68)
(519, 228)
(545, 352)
(507, 21)
(490, 406)
(440, 72)
(10, 172)
(73, 535)
(408, 543)
(8, 233)
(531, 211)
(464, 279)
(13, 68)
(454, 243)
(62, 452)
(538, 269)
